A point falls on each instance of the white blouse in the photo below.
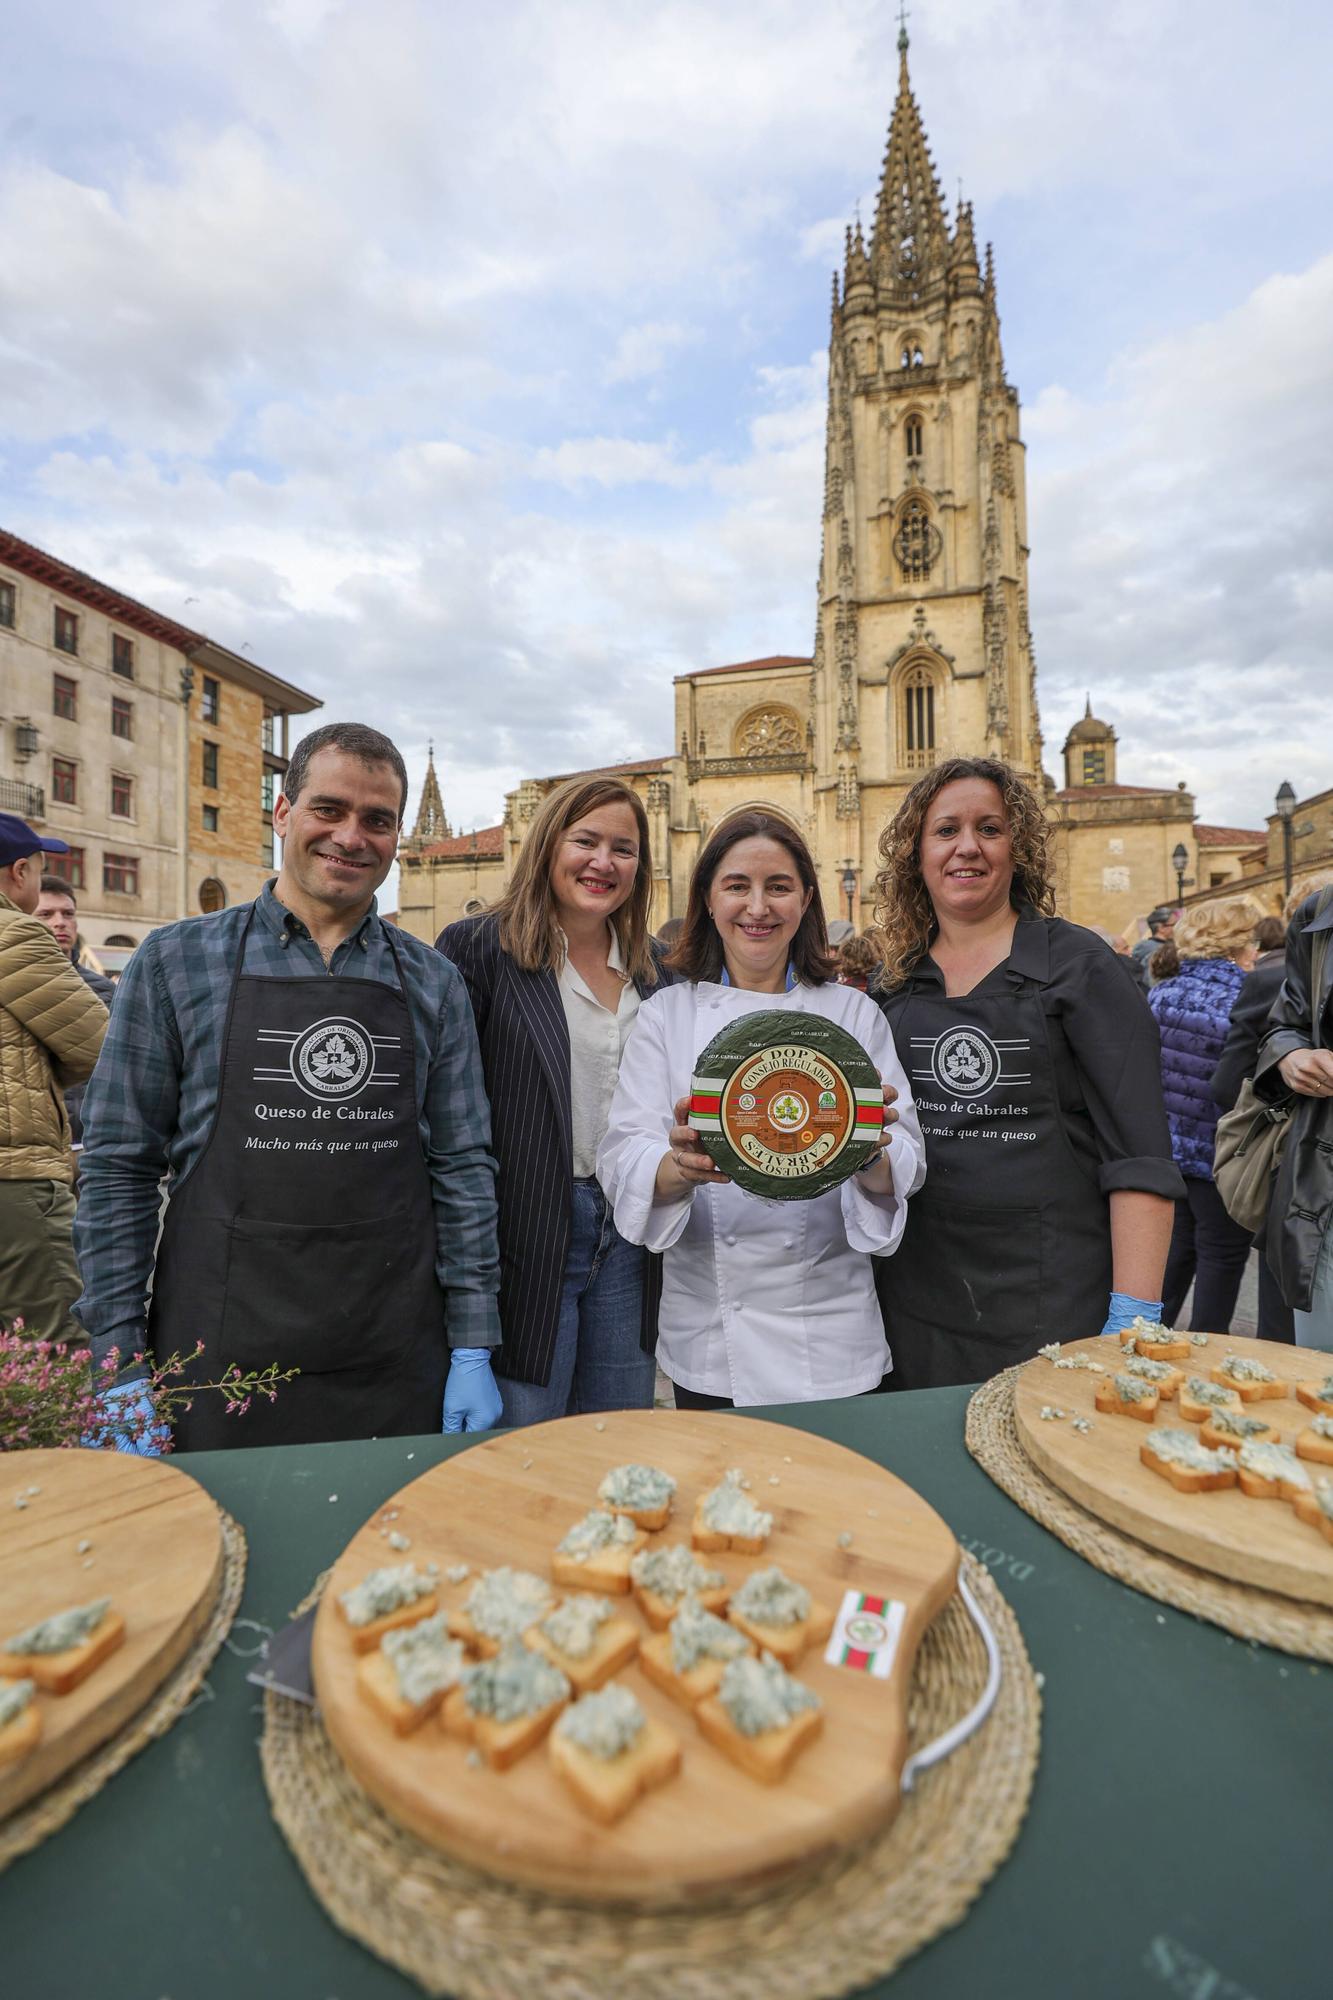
(762, 1301)
(597, 1040)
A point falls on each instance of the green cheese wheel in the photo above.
(786, 1104)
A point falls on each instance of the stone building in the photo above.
(922, 647)
(155, 752)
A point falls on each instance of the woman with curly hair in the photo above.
(1046, 1212)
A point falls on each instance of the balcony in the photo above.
(28, 801)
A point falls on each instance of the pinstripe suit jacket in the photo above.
(525, 1055)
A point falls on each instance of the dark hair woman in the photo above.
(762, 1302)
(556, 973)
(1035, 1063)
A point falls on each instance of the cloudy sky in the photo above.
(467, 365)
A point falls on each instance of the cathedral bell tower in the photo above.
(922, 647)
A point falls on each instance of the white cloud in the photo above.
(1180, 554)
(644, 350)
(613, 461)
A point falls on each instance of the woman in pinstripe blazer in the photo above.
(556, 972)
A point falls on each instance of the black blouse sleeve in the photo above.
(1113, 1038)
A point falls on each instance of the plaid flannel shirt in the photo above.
(149, 1107)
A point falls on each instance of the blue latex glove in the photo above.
(471, 1399)
(133, 1398)
(1124, 1309)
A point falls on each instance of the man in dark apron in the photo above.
(308, 1076)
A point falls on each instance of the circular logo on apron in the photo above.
(332, 1059)
(966, 1062)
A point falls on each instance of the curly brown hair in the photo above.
(903, 909)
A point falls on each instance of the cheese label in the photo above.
(866, 1634)
(787, 1105)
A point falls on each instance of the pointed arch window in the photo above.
(918, 718)
(914, 436)
(917, 543)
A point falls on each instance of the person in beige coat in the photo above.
(51, 1029)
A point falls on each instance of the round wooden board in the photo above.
(156, 1552)
(711, 1829)
(1259, 1542)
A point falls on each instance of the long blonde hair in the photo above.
(529, 924)
(903, 909)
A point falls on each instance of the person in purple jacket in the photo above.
(1197, 975)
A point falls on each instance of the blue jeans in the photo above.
(1315, 1327)
(598, 1363)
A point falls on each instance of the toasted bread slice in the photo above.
(1265, 1485)
(1175, 1349)
(1250, 1392)
(650, 1518)
(60, 1673)
(768, 1757)
(1310, 1444)
(1308, 1509)
(1184, 1478)
(366, 1638)
(481, 1643)
(1143, 1408)
(378, 1683)
(787, 1642)
(1309, 1394)
(606, 1571)
(1224, 1440)
(1196, 1412)
(500, 1743)
(21, 1735)
(606, 1788)
(688, 1688)
(659, 1611)
(709, 1541)
(1169, 1381)
(617, 1643)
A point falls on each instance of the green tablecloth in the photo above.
(1177, 1842)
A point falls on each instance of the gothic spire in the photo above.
(910, 241)
(431, 824)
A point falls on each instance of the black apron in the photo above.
(1008, 1243)
(304, 1234)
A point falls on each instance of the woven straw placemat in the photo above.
(812, 1937)
(993, 1440)
(47, 1813)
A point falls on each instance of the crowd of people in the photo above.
(456, 1186)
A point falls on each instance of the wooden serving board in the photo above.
(156, 1552)
(1259, 1542)
(711, 1829)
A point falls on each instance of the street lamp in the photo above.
(849, 887)
(1180, 862)
(1286, 807)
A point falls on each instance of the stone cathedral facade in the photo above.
(922, 646)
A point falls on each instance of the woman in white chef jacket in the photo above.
(762, 1301)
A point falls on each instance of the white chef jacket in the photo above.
(762, 1301)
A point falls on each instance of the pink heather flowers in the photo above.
(51, 1394)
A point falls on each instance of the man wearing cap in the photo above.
(51, 1030)
(1161, 923)
(307, 1077)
